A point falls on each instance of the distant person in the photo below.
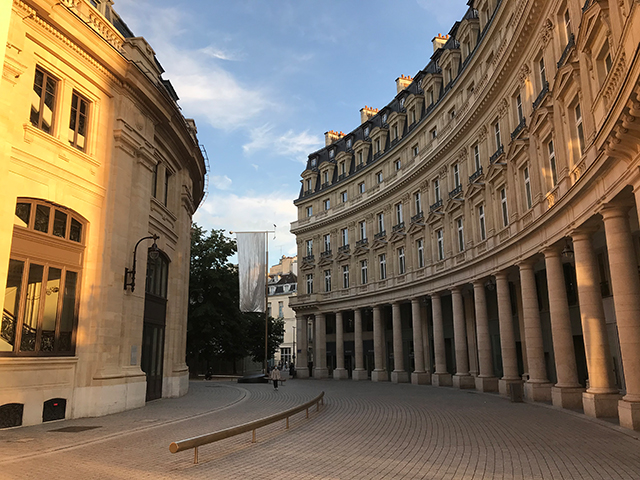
(275, 376)
(292, 370)
(310, 369)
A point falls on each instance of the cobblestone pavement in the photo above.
(364, 431)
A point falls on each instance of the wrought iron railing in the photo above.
(379, 235)
(308, 192)
(342, 176)
(324, 185)
(308, 259)
(497, 155)
(398, 227)
(417, 217)
(344, 249)
(325, 254)
(519, 128)
(436, 206)
(541, 95)
(362, 242)
(455, 192)
(570, 44)
(476, 175)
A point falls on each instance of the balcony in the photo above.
(570, 44)
(362, 243)
(394, 142)
(436, 206)
(344, 249)
(541, 95)
(359, 166)
(416, 218)
(307, 193)
(325, 254)
(587, 4)
(398, 227)
(476, 175)
(324, 185)
(455, 192)
(380, 235)
(519, 128)
(308, 259)
(342, 176)
(494, 158)
(377, 155)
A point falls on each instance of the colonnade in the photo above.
(600, 397)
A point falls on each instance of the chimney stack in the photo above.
(403, 82)
(439, 41)
(366, 113)
(331, 136)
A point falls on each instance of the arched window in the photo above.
(40, 311)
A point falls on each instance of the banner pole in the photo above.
(266, 302)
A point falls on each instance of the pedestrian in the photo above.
(275, 376)
(292, 370)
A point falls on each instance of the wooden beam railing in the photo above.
(201, 440)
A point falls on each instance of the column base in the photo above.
(379, 376)
(421, 378)
(463, 381)
(503, 385)
(360, 375)
(629, 414)
(320, 373)
(486, 384)
(600, 405)
(441, 379)
(567, 397)
(340, 374)
(537, 392)
(302, 372)
(399, 376)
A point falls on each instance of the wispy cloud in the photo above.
(214, 52)
(221, 182)
(289, 144)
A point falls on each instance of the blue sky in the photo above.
(264, 79)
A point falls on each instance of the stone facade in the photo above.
(76, 340)
(481, 230)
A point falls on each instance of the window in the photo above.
(505, 211)
(519, 108)
(436, 190)
(345, 237)
(382, 259)
(412, 115)
(460, 235)
(543, 73)
(452, 113)
(269, 309)
(309, 211)
(363, 229)
(309, 247)
(326, 204)
(440, 241)
(343, 168)
(384, 117)
(154, 181)
(345, 276)
(496, 130)
(360, 158)
(78, 121)
(313, 162)
(361, 187)
(395, 131)
(331, 153)
(325, 176)
(430, 92)
(285, 355)
(327, 242)
(456, 175)
(476, 157)
(377, 145)
(579, 129)
(363, 272)
(349, 141)
(41, 296)
(418, 202)
(167, 176)
(380, 222)
(309, 283)
(399, 218)
(327, 280)
(434, 134)
(552, 163)
(397, 165)
(483, 226)
(308, 184)
(567, 25)
(420, 248)
(401, 264)
(43, 101)
(379, 177)
(343, 196)
(415, 150)
(366, 132)
(280, 309)
(527, 187)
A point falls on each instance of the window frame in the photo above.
(420, 250)
(440, 243)
(56, 82)
(402, 267)
(460, 226)
(382, 262)
(81, 98)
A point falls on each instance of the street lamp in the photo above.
(130, 275)
(293, 356)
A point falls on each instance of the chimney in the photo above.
(331, 136)
(403, 82)
(439, 41)
(366, 113)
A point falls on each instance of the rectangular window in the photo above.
(505, 211)
(361, 187)
(552, 163)
(380, 222)
(309, 283)
(543, 73)
(476, 157)
(280, 309)
(399, 217)
(519, 108)
(377, 145)
(436, 190)
(343, 170)
(456, 176)
(363, 229)
(383, 266)
(154, 181)
(415, 150)
(401, 264)
(269, 309)
(483, 226)
(325, 176)
(460, 235)
(434, 134)
(327, 280)
(579, 129)
(527, 188)
(326, 204)
(360, 158)
(496, 130)
(309, 248)
(345, 276)
(308, 183)
(395, 131)
(345, 237)
(309, 211)
(364, 278)
(412, 115)
(420, 248)
(167, 176)
(397, 165)
(43, 101)
(418, 202)
(343, 196)
(379, 177)
(440, 240)
(567, 24)
(327, 242)
(78, 121)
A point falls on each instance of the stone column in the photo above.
(379, 373)
(440, 377)
(470, 325)
(302, 367)
(507, 336)
(601, 398)
(462, 378)
(625, 282)
(359, 373)
(320, 348)
(418, 376)
(538, 387)
(399, 374)
(340, 372)
(485, 381)
(567, 393)
(426, 345)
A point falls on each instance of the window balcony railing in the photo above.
(308, 259)
(362, 243)
(325, 254)
(519, 128)
(436, 205)
(430, 108)
(342, 176)
(455, 192)
(476, 175)
(394, 142)
(587, 4)
(344, 249)
(359, 166)
(307, 193)
(570, 44)
(324, 185)
(377, 155)
(398, 227)
(380, 235)
(541, 95)
(416, 218)
(494, 158)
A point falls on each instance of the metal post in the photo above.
(266, 303)
(287, 422)
(195, 455)
(253, 439)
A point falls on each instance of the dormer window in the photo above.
(359, 158)
(377, 145)
(349, 143)
(384, 118)
(331, 153)
(343, 169)
(313, 162)
(366, 132)
(325, 176)
(402, 103)
(413, 115)
(308, 184)
(395, 131)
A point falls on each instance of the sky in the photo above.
(265, 79)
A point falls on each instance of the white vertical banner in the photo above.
(252, 270)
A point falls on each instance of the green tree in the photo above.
(275, 336)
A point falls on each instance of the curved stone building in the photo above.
(96, 163)
(481, 229)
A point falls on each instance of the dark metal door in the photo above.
(155, 310)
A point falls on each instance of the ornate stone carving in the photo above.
(546, 32)
(524, 73)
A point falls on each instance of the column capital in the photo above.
(582, 233)
(416, 299)
(502, 275)
(456, 289)
(435, 294)
(554, 250)
(612, 210)
(526, 264)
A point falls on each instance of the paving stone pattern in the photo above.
(365, 430)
